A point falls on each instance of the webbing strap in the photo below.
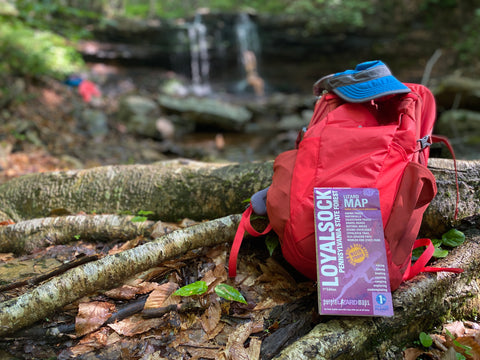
(244, 225)
(420, 265)
(444, 140)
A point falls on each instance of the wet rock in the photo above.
(139, 114)
(457, 92)
(462, 127)
(295, 122)
(94, 122)
(459, 123)
(207, 113)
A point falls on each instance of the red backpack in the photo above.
(381, 143)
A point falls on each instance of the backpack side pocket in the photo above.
(416, 191)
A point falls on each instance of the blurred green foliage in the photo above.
(32, 53)
(33, 33)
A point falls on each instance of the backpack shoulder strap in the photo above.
(420, 265)
(444, 140)
(244, 225)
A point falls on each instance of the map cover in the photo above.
(352, 270)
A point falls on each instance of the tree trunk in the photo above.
(172, 190)
(439, 216)
(179, 189)
(28, 236)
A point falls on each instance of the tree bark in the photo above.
(30, 235)
(172, 190)
(108, 272)
(179, 189)
(439, 216)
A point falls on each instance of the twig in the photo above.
(430, 63)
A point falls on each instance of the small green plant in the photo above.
(425, 340)
(466, 349)
(196, 288)
(142, 216)
(450, 239)
(272, 243)
(225, 291)
(228, 292)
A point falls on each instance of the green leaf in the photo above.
(440, 253)
(437, 242)
(228, 292)
(417, 252)
(425, 339)
(453, 238)
(145, 212)
(467, 349)
(196, 288)
(139, 219)
(272, 243)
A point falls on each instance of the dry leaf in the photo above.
(161, 228)
(218, 254)
(7, 222)
(158, 297)
(6, 256)
(92, 315)
(412, 353)
(135, 324)
(211, 317)
(468, 341)
(456, 328)
(91, 342)
(234, 349)
(214, 277)
(125, 246)
(125, 292)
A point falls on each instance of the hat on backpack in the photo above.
(370, 80)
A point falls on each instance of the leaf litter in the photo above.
(145, 310)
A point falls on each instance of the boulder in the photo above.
(139, 114)
(207, 113)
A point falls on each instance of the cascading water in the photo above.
(248, 43)
(200, 65)
(229, 44)
(247, 36)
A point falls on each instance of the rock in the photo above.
(462, 127)
(139, 115)
(459, 123)
(295, 122)
(207, 113)
(94, 122)
(457, 92)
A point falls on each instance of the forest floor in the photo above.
(40, 133)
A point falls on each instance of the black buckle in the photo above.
(426, 141)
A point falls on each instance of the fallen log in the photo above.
(30, 235)
(419, 305)
(439, 216)
(109, 272)
(171, 190)
(180, 188)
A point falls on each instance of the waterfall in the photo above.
(247, 36)
(200, 65)
(248, 43)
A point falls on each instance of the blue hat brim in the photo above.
(372, 89)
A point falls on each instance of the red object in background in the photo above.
(87, 89)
